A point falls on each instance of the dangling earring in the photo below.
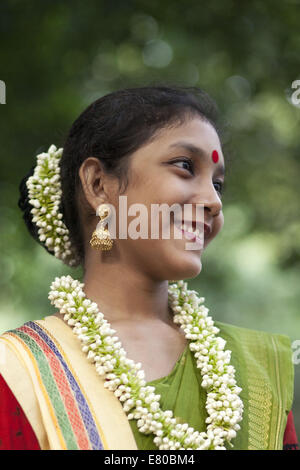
(101, 239)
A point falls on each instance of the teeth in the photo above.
(190, 229)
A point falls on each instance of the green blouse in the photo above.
(264, 371)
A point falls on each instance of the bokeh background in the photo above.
(57, 57)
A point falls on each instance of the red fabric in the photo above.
(290, 441)
(16, 432)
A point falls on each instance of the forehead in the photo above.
(201, 132)
(194, 136)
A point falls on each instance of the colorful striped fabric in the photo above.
(66, 400)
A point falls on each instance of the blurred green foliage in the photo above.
(58, 56)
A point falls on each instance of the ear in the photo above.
(93, 180)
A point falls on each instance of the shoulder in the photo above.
(13, 365)
(270, 350)
(251, 337)
(262, 357)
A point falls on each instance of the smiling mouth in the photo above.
(195, 236)
(192, 230)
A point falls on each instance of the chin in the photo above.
(188, 269)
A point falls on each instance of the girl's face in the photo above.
(177, 167)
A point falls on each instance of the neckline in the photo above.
(154, 381)
(176, 365)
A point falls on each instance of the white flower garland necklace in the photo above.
(126, 379)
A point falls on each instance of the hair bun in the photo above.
(25, 206)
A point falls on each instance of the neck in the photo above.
(125, 293)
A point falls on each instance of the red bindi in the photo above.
(215, 156)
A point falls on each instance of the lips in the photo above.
(191, 236)
(200, 225)
(196, 232)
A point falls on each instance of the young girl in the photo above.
(131, 359)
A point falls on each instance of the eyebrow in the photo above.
(197, 151)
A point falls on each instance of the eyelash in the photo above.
(186, 160)
(191, 163)
(221, 186)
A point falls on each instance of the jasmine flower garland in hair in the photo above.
(126, 379)
(44, 192)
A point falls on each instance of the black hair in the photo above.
(111, 129)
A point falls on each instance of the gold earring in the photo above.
(101, 239)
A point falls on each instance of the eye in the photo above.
(188, 162)
(219, 185)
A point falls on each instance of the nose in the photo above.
(211, 200)
(214, 204)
